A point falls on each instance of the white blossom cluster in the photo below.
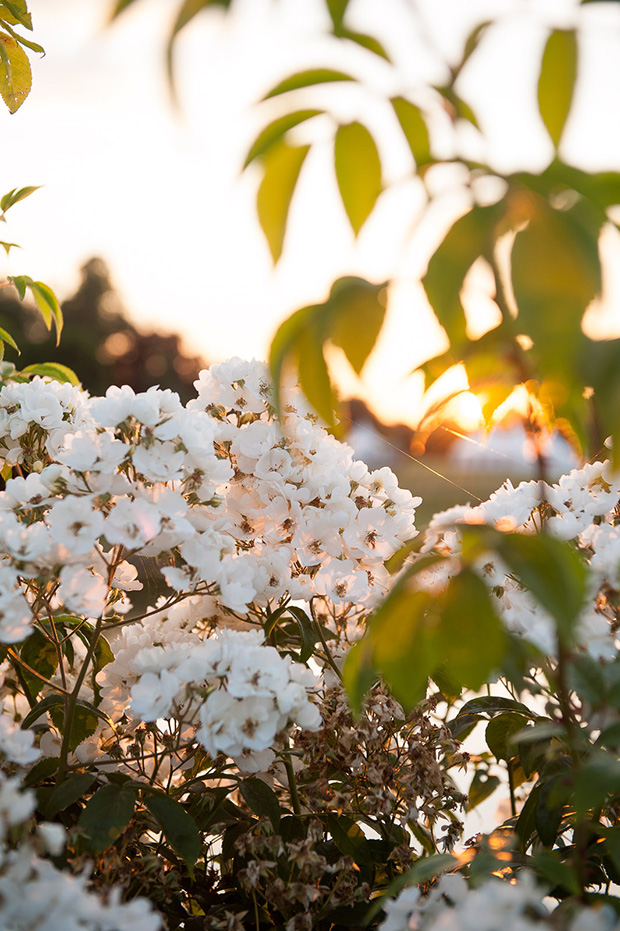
(581, 507)
(36, 896)
(452, 905)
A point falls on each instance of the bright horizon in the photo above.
(158, 196)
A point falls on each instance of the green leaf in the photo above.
(275, 131)
(44, 298)
(41, 771)
(470, 237)
(356, 312)
(358, 172)
(549, 866)
(69, 792)
(187, 11)
(17, 194)
(358, 673)
(40, 654)
(261, 799)
(180, 829)
(106, 815)
(337, 10)
(422, 871)
(365, 41)
(349, 838)
(308, 79)
(15, 73)
(16, 12)
(459, 109)
(282, 166)
(482, 786)
(415, 129)
(54, 370)
(306, 629)
(499, 732)
(488, 704)
(6, 337)
(7, 246)
(84, 724)
(552, 571)
(42, 708)
(118, 8)
(595, 781)
(557, 79)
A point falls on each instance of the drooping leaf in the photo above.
(337, 10)
(470, 237)
(15, 73)
(282, 166)
(556, 83)
(481, 787)
(106, 815)
(500, 731)
(83, 725)
(6, 337)
(415, 129)
(41, 708)
(261, 799)
(44, 298)
(179, 828)
(307, 634)
(308, 79)
(356, 311)
(275, 131)
(365, 41)
(358, 172)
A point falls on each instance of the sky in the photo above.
(158, 192)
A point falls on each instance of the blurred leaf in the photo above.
(472, 42)
(307, 79)
(44, 298)
(261, 799)
(482, 786)
(457, 107)
(118, 8)
(7, 246)
(282, 166)
(557, 79)
(470, 237)
(358, 172)
(365, 41)
(358, 672)
(179, 828)
(415, 129)
(596, 780)
(53, 370)
(499, 732)
(356, 310)
(337, 10)
(16, 12)
(15, 73)
(551, 569)
(16, 195)
(275, 131)
(187, 11)
(549, 866)
(106, 815)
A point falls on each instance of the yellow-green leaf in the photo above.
(15, 74)
(56, 370)
(275, 131)
(358, 172)
(16, 12)
(356, 315)
(282, 166)
(415, 130)
(556, 83)
(307, 79)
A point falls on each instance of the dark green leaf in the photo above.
(349, 838)
(488, 704)
(482, 786)
(40, 654)
(261, 799)
(42, 708)
(41, 771)
(557, 79)
(106, 815)
(179, 827)
(84, 724)
(595, 781)
(500, 731)
(422, 871)
(307, 79)
(306, 629)
(548, 810)
(275, 131)
(282, 166)
(68, 792)
(549, 866)
(414, 127)
(358, 172)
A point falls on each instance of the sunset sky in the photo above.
(158, 194)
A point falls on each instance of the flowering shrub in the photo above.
(189, 755)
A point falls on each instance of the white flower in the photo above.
(132, 523)
(73, 522)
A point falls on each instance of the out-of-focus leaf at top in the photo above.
(275, 131)
(118, 8)
(557, 79)
(337, 10)
(307, 79)
(469, 238)
(358, 172)
(282, 166)
(415, 129)
(15, 74)
(365, 41)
